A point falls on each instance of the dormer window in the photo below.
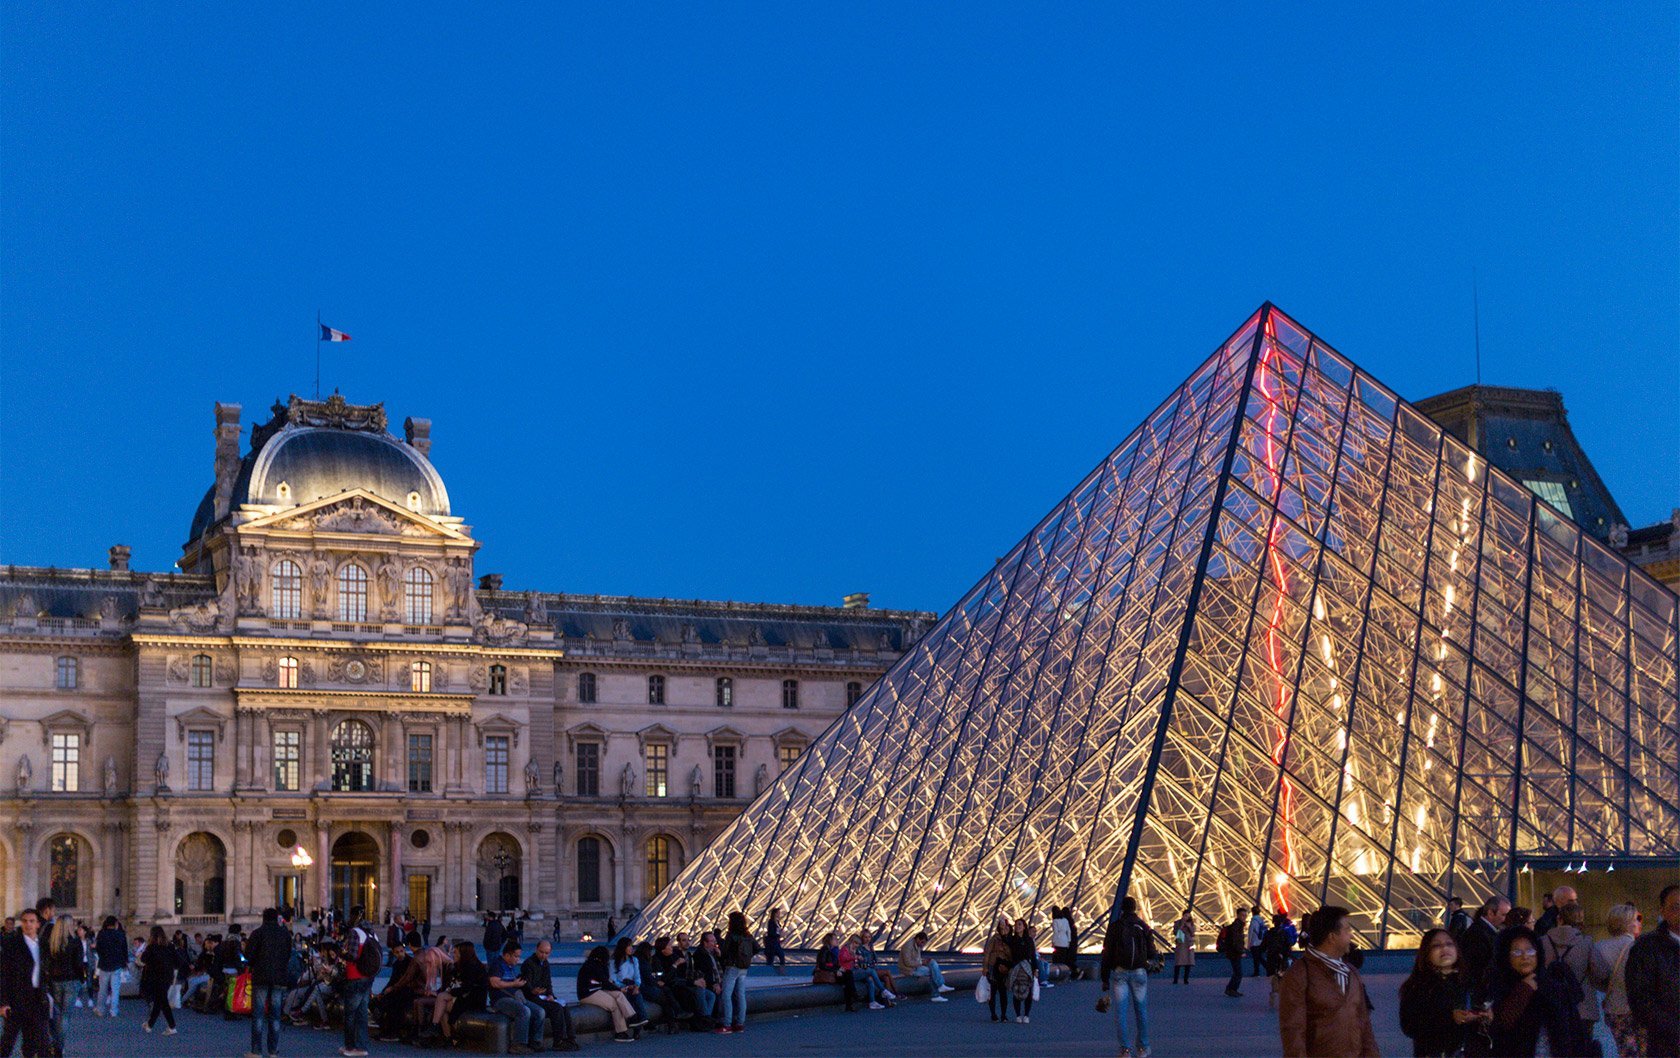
(284, 492)
(414, 502)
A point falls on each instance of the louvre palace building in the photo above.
(328, 705)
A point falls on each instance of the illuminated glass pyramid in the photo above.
(1287, 644)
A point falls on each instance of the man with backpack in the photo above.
(1232, 944)
(1128, 950)
(269, 955)
(362, 965)
(1457, 921)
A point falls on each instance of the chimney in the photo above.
(119, 558)
(418, 432)
(857, 600)
(490, 582)
(227, 455)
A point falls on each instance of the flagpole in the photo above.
(317, 354)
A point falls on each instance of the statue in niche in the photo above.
(248, 576)
(533, 777)
(761, 779)
(25, 772)
(110, 777)
(160, 772)
(627, 782)
(536, 611)
(390, 584)
(695, 779)
(459, 579)
(559, 777)
(320, 575)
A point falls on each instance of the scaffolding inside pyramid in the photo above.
(1288, 645)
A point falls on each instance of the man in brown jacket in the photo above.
(1322, 1012)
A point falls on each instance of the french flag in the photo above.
(330, 335)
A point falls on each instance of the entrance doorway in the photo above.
(355, 873)
(420, 897)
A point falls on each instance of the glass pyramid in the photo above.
(1288, 644)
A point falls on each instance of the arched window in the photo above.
(420, 676)
(498, 679)
(64, 862)
(725, 692)
(656, 690)
(586, 688)
(352, 757)
(288, 674)
(201, 670)
(854, 691)
(352, 593)
(790, 694)
(68, 674)
(417, 596)
(589, 870)
(286, 590)
(658, 864)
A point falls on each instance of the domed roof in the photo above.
(306, 454)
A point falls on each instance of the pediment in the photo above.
(498, 724)
(724, 736)
(586, 733)
(656, 733)
(789, 736)
(200, 716)
(353, 511)
(65, 720)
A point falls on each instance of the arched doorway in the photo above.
(67, 872)
(201, 875)
(500, 863)
(355, 873)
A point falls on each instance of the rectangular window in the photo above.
(658, 759)
(586, 688)
(420, 677)
(725, 692)
(288, 751)
(786, 755)
(790, 694)
(419, 764)
(588, 756)
(201, 760)
(498, 679)
(723, 771)
(656, 690)
(66, 674)
(496, 764)
(66, 763)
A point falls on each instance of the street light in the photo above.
(502, 860)
(301, 860)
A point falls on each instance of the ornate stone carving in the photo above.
(536, 611)
(151, 595)
(226, 674)
(627, 782)
(478, 678)
(177, 668)
(518, 681)
(25, 772)
(160, 772)
(357, 668)
(389, 576)
(320, 577)
(248, 574)
(1618, 535)
(110, 777)
(690, 634)
(495, 628)
(200, 617)
(108, 609)
(357, 515)
(336, 412)
(533, 778)
(761, 779)
(756, 637)
(559, 777)
(621, 629)
(457, 579)
(696, 779)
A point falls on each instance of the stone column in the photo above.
(620, 895)
(262, 749)
(323, 757)
(155, 845)
(399, 888)
(395, 751)
(28, 876)
(237, 881)
(322, 867)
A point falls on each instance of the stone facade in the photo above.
(329, 705)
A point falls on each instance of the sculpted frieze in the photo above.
(356, 669)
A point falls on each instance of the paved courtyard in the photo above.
(1197, 1020)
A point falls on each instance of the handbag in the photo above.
(239, 996)
(822, 977)
(175, 997)
(1035, 990)
(1104, 1002)
(983, 990)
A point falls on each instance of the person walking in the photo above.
(739, 950)
(774, 956)
(1022, 977)
(1128, 949)
(1231, 944)
(111, 947)
(66, 968)
(994, 965)
(158, 967)
(362, 964)
(1256, 939)
(1435, 1000)
(1608, 971)
(25, 998)
(1653, 979)
(1184, 947)
(269, 955)
(494, 937)
(1322, 1008)
(1567, 943)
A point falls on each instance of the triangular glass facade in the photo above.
(1287, 644)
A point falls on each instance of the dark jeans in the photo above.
(848, 981)
(158, 996)
(356, 1013)
(266, 1002)
(558, 1016)
(33, 1020)
(1259, 963)
(1235, 984)
(64, 995)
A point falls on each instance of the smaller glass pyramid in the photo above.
(1288, 644)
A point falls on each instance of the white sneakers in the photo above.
(946, 988)
(939, 999)
(888, 995)
(876, 1006)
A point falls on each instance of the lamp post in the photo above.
(301, 860)
(502, 860)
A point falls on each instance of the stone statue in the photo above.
(695, 779)
(249, 579)
(390, 584)
(536, 611)
(533, 776)
(690, 634)
(559, 777)
(761, 779)
(151, 594)
(108, 608)
(25, 772)
(160, 772)
(1618, 535)
(459, 580)
(110, 777)
(320, 575)
(621, 628)
(627, 782)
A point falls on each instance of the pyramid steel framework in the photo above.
(1288, 644)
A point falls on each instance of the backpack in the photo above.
(369, 959)
(1225, 944)
(737, 951)
(1561, 973)
(1136, 946)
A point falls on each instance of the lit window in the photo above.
(64, 857)
(588, 758)
(288, 752)
(352, 593)
(854, 691)
(67, 674)
(201, 670)
(286, 590)
(790, 694)
(658, 865)
(1552, 492)
(288, 674)
(656, 690)
(723, 771)
(498, 679)
(201, 760)
(658, 759)
(417, 596)
(284, 492)
(352, 757)
(420, 676)
(419, 764)
(496, 764)
(66, 763)
(725, 692)
(586, 688)
(786, 755)
(414, 501)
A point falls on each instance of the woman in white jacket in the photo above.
(1608, 965)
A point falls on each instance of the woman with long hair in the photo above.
(739, 950)
(596, 988)
(995, 965)
(1435, 1008)
(1023, 951)
(66, 965)
(158, 965)
(627, 975)
(1524, 1001)
(1609, 966)
(470, 994)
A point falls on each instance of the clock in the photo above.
(355, 671)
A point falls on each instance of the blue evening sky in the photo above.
(778, 301)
